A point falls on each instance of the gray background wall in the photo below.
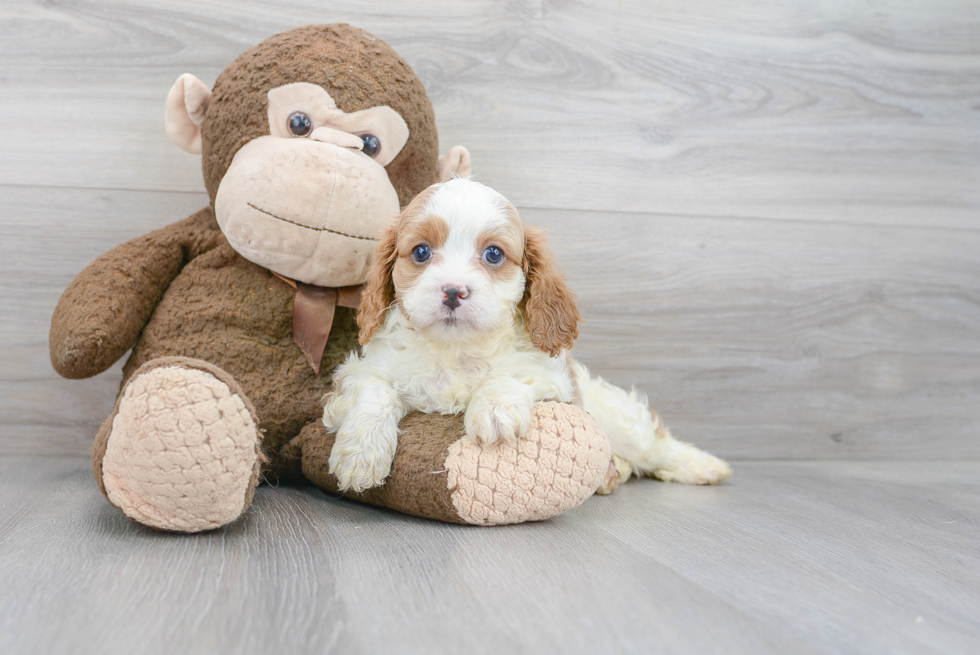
(771, 212)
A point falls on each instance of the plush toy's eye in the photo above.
(421, 253)
(372, 144)
(299, 124)
(493, 255)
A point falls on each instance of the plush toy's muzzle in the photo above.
(308, 210)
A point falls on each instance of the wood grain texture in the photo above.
(779, 340)
(770, 214)
(45, 240)
(830, 111)
(787, 558)
(754, 339)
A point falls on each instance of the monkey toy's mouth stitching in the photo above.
(309, 227)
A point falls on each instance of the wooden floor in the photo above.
(770, 212)
(791, 557)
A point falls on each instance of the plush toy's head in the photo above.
(311, 142)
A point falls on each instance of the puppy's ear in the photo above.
(550, 313)
(380, 290)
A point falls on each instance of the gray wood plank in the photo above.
(803, 558)
(756, 339)
(829, 111)
(784, 340)
(46, 238)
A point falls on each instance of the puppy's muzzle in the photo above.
(452, 297)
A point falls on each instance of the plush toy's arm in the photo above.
(103, 310)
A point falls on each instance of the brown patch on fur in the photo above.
(380, 290)
(431, 230)
(510, 239)
(414, 208)
(404, 274)
(550, 312)
(379, 293)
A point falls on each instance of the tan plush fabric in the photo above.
(186, 103)
(561, 462)
(273, 209)
(182, 448)
(338, 126)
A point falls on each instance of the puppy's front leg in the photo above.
(499, 409)
(366, 439)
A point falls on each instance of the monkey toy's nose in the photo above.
(451, 296)
(337, 137)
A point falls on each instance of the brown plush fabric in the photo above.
(236, 315)
(418, 481)
(357, 70)
(218, 308)
(102, 311)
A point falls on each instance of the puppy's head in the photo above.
(460, 261)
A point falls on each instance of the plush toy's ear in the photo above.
(456, 162)
(380, 290)
(550, 313)
(186, 103)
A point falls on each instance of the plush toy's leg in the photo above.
(440, 475)
(181, 450)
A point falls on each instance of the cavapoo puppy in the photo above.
(465, 312)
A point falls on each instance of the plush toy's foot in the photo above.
(181, 450)
(439, 474)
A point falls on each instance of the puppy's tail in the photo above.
(641, 443)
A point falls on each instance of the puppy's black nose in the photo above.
(452, 296)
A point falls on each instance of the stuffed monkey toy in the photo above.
(237, 315)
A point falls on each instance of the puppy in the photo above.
(465, 312)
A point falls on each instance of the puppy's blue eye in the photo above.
(421, 253)
(493, 255)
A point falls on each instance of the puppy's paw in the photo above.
(362, 460)
(694, 466)
(619, 472)
(359, 471)
(492, 418)
(335, 409)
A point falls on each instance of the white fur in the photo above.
(479, 360)
(468, 208)
(495, 377)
